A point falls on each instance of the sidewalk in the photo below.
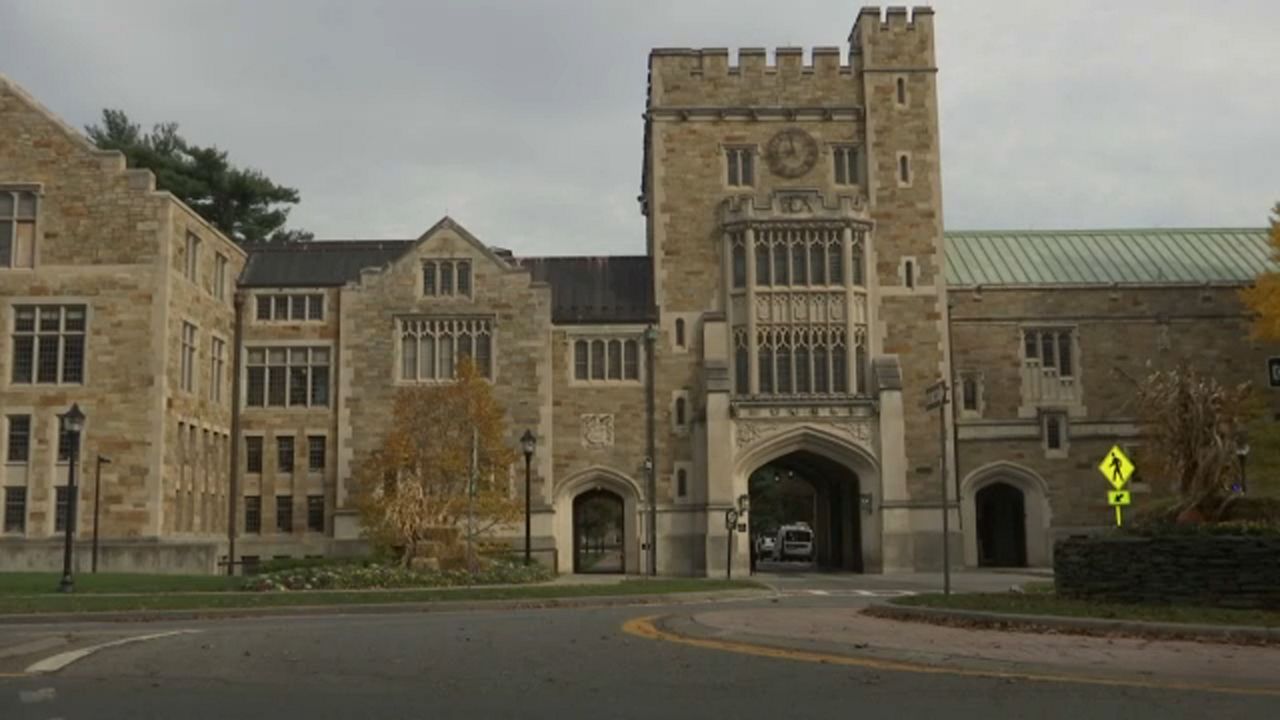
(847, 632)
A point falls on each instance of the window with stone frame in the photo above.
(1050, 349)
(740, 165)
(15, 509)
(188, 357)
(1054, 431)
(971, 400)
(284, 513)
(253, 514)
(284, 454)
(253, 454)
(289, 307)
(287, 377)
(220, 264)
(18, 208)
(315, 513)
(316, 452)
(844, 160)
(217, 367)
(48, 344)
(446, 278)
(19, 439)
(682, 483)
(606, 360)
(191, 258)
(62, 501)
(430, 348)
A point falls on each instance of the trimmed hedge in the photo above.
(374, 576)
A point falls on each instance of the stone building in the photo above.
(796, 299)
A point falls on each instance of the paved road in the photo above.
(529, 664)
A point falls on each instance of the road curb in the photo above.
(391, 608)
(1227, 634)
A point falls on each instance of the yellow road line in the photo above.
(644, 627)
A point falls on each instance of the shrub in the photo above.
(377, 576)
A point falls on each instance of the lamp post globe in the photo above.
(528, 443)
(71, 424)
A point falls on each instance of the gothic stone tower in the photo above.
(795, 228)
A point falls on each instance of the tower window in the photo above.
(845, 160)
(682, 483)
(902, 91)
(741, 167)
(679, 332)
(904, 169)
(909, 273)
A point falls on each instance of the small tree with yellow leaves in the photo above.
(445, 440)
(1264, 296)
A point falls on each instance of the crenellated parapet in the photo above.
(708, 77)
(894, 38)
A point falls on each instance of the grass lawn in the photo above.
(169, 600)
(1044, 602)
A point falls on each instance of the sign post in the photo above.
(935, 398)
(1117, 468)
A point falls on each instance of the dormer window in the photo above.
(446, 278)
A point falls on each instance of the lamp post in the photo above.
(1242, 453)
(527, 443)
(97, 491)
(731, 517)
(72, 423)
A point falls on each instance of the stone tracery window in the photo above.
(431, 348)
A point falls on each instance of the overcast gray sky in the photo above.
(521, 118)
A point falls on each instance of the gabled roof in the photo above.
(1106, 257)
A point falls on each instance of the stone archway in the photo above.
(597, 482)
(846, 484)
(998, 486)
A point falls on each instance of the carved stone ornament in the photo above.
(791, 153)
(749, 432)
(597, 430)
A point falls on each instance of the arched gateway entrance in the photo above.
(809, 477)
(598, 532)
(806, 490)
(1002, 532)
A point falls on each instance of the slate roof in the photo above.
(1106, 257)
(614, 289)
(317, 264)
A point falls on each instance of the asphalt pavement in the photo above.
(555, 663)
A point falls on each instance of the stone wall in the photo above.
(1217, 570)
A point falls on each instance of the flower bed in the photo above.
(351, 576)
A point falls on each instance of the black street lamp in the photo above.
(71, 423)
(527, 443)
(97, 491)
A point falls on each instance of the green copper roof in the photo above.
(1105, 257)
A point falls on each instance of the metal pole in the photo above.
(649, 337)
(1244, 475)
(946, 522)
(729, 522)
(471, 502)
(527, 511)
(233, 479)
(68, 582)
(97, 491)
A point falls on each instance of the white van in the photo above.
(795, 542)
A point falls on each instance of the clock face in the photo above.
(791, 153)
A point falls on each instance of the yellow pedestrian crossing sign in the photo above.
(1116, 467)
(1118, 497)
